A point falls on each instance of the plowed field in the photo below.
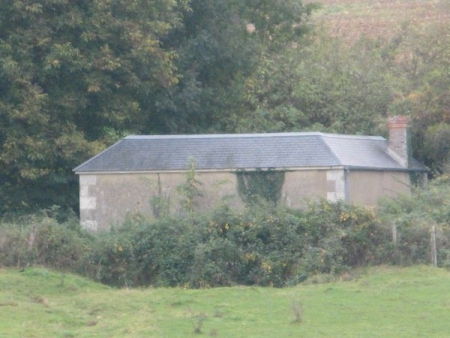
(351, 19)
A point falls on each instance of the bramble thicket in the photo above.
(259, 245)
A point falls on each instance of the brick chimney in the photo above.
(399, 140)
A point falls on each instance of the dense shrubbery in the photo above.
(414, 216)
(41, 239)
(259, 245)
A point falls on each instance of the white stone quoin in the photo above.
(336, 183)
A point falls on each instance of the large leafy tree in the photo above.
(319, 84)
(423, 63)
(73, 74)
(220, 45)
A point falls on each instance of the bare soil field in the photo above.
(351, 19)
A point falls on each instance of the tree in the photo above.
(73, 76)
(219, 45)
(421, 62)
(321, 85)
(76, 75)
(436, 147)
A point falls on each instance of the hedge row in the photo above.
(255, 246)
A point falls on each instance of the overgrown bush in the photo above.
(264, 245)
(414, 217)
(13, 245)
(260, 245)
(41, 240)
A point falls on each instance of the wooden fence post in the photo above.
(433, 246)
(394, 233)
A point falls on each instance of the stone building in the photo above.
(142, 174)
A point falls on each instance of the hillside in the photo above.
(384, 302)
(351, 19)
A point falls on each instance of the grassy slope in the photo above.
(351, 19)
(386, 302)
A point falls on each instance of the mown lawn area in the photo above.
(380, 302)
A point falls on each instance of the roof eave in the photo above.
(104, 172)
(424, 170)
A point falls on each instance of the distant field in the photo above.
(349, 19)
(383, 302)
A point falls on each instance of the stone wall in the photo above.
(106, 199)
(367, 187)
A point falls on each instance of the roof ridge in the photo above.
(229, 135)
(366, 137)
(247, 135)
(330, 150)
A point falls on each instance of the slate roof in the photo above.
(244, 151)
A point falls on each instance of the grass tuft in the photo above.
(39, 300)
(297, 310)
(198, 322)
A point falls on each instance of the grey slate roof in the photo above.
(244, 151)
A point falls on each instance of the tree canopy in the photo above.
(75, 76)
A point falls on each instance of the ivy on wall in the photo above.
(160, 202)
(190, 190)
(265, 185)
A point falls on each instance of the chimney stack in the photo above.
(399, 140)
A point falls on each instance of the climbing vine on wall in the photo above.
(190, 190)
(257, 185)
(160, 202)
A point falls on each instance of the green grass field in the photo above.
(381, 302)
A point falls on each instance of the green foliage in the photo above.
(41, 240)
(159, 203)
(110, 259)
(421, 61)
(189, 190)
(71, 73)
(427, 205)
(76, 76)
(319, 84)
(260, 245)
(414, 217)
(264, 185)
(216, 53)
(264, 245)
(436, 147)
